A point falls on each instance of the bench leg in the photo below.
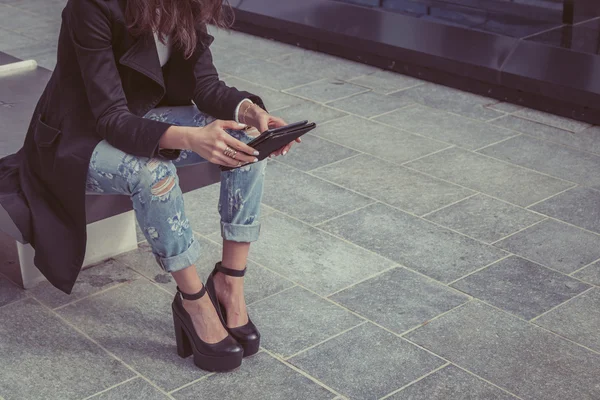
(107, 238)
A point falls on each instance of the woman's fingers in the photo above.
(241, 147)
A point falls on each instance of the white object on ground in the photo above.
(18, 66)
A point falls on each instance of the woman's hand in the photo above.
(211, 141)
(255, 116)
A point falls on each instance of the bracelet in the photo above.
(246, 112)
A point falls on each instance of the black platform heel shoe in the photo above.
(247, 335)
(223, 356)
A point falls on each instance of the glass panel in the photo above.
(515, 18)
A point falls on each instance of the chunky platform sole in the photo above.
(202, 361)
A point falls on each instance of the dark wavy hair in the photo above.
(178, 19)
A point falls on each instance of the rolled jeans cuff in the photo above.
(181, 261)
(240, 233)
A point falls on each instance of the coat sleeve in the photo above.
(90, 31)
(212, 95)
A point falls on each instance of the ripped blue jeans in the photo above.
(153, 185)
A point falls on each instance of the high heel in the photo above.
(247, 335)
(223, 356)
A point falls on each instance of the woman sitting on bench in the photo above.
(134, 95)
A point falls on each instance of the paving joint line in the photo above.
(534, 319)
(303, 373)
(344, 214)
(498, 142)
(429, 321)
(89, 296)
(582, 268)
(450, 205)
(369, 277)
(536, 326)
(544, 139)
(487, 381)
(550, 197)
(371, 118)
(393, 92)
(208, 375)
(287, 358)
(415, 381)
(477, 271)
(110, 388)
(495, 242)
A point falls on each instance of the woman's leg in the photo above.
(153, 186)
(239, 207)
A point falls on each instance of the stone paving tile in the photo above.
(392, 184)
(495, 178)
(553, 120)
(449, 128)
(268, 74)
(549, 158)
(137, 389)
(261, 377)
(327, 90)
(296, 319)
(44, 33)
(484, 218)
(308, 110)
(32, 52)
(383, 141)
(250, 45)
(91, 280)
(505, 107)
(9, 292)
(369, 104)
(308, 198)
(42, 358)
(525, 360)
(556, 245)
(399, 299)
(318, 261)
(11, 40)
(590, 274)
(386, 82)
(13, 19)
(419, 245)
(315, 152)
(273, 99)
(135, 323)
(521, 287)
(453, 383)
(587, 140)
(452, 100)
(578, 206)
(323, 65)
(578, 320)
(378, 363)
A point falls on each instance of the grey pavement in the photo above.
(422, 243)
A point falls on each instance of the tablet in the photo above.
(274, 139)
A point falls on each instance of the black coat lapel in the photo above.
(142, 56)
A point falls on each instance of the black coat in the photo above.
(104, 82)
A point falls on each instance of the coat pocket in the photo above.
(44, 135)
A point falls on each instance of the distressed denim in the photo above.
(153, 185)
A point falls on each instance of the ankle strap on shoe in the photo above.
(228, 271)
(192, 297)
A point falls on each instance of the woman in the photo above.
(134, 95)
